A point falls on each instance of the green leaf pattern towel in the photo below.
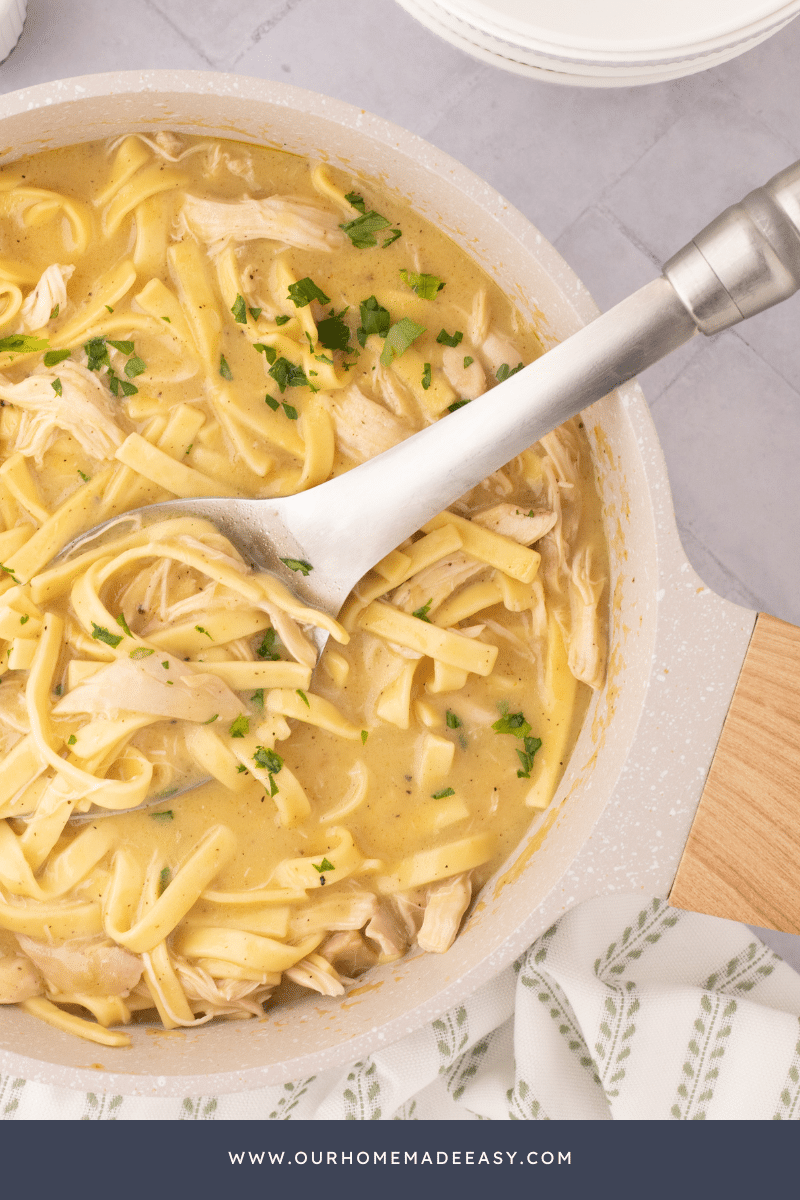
(625, 1009)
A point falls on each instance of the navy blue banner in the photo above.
(558, 1159)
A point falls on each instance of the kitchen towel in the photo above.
(625, 1009)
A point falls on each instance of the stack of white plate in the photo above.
(604, 43)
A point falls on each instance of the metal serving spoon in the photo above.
(745, 261)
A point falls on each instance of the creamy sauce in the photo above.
(442, 759)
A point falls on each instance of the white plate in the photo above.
(642, 30)
(562, 68)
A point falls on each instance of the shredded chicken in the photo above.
(81, 408)
(447, 903)
(497, 350)
(241, 165)
(318, 974)
(410, 906)
(479, 317)
(146, 685)
(49, 294)
(364, 428)
(96, 967)
(386, 930)
(295, 221)
(19, 979)
(221, 997)
(514, 522)
(348, 953)
(437, 582)
(14, 720)
(395, 396)
(586, 654)
(469, 381)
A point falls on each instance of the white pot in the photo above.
(615, 825)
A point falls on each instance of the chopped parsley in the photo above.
(239, 310)
(165, 664)
(518, 727)
(449, 339)
(24, 619)
(257, 698)
(304, 291)
(200, 629)
(468, 361)
(325, 865)
(272, 402)
(163, 880)
(443, 793)
(71, 740)
(269, 352)
(422, 613)
(374, 319)
(121, 387)
(101, 634)
(211, 720)
(452, 721)
(23, 343)
(8, 571)
(356, 200)
(286, 374)
(53, 357)
(134, 366)
(267, 647)
(505, 372)
(123, 624)
(513, 723)
(298, 564)
(224, 369)
(393, 236)
(426, 286)
(241, 769)
(123, 347)
(426, 376)
(166, 815)
(525, 756)
(362, 230)
(84, 476)
(333, 333)
(267, 760)
(399, 338)
(58, 689)
(457, 404)
(54, 312)
(141, 652)
(281, 319)
(290, 411)
(364, 736)
(303, 697)
(255, 313)
(240, 727)
(56, 386)
(97, 354)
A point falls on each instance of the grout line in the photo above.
(151, 4)
(266, 27)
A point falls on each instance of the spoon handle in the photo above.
(745, 261)
(371, 509)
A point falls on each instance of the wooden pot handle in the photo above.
(742, 857)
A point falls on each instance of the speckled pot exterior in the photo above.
(622, 813)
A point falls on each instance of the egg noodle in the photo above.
(193, 317)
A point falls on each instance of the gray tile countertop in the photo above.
(618, 179)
